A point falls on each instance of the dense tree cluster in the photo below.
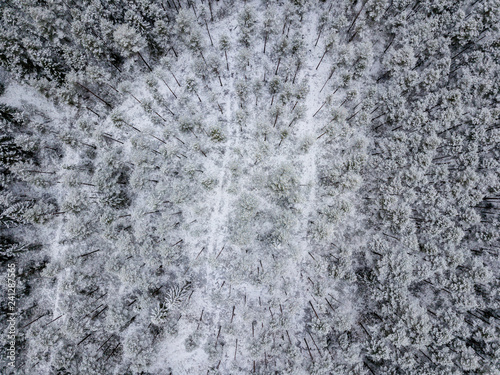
(230, 187)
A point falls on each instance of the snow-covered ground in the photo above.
(310, 209)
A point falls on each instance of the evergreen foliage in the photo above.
(232, 188)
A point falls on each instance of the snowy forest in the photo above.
(250, 187)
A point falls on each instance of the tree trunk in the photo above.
(322, 57)
(352, 37)
(166, 84)
(211, 13)
(319, 108)
(357, 15)
(97, 96)
(203, 57)
(173, 75)
(227, 62)
(208, 31)
(296, 71)
(142, 58)
(319, 34)
(329, 77)
(386, 48)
